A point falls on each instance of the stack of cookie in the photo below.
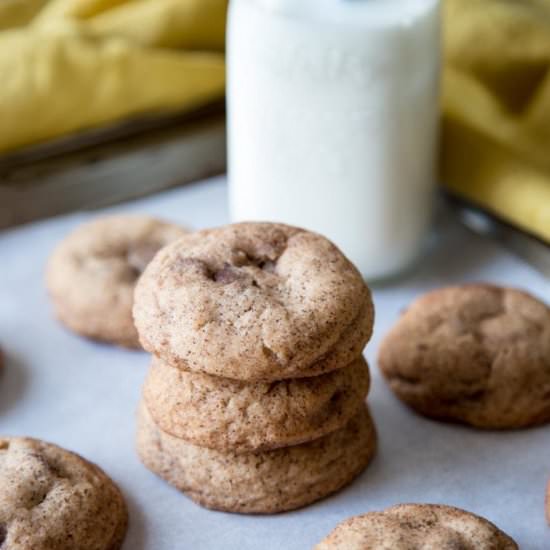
(255, 399)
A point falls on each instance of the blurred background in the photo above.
(105, 100)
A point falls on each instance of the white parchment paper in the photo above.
(82, 395)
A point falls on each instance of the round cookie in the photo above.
(226, 414)
(418, 526)
(92, 273)
(52, 499)
(477, 354)
(253, 301)
(262, 482)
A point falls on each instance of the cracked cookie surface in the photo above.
(92, 273)
(418, 527)
(261, 482)
(253, 301)
(477, 354)
(52, 499)
(226, 414)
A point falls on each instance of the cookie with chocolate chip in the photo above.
(91, 275)
(418, 526)
(253, 301)
(477, 354)
(52, 499)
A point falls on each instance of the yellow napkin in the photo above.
(495, 149)
(66, 65)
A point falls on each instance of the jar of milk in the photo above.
(333, 112)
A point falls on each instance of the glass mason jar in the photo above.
(332, 121)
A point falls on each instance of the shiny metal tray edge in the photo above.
(529, 247)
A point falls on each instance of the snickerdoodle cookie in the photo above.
(227, 414)
(52, 499)
(478, 354)
(92, 273)
(253, 301)
(260, 482)
(418, 527)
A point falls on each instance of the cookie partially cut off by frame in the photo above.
(53, 499)
(418, 526)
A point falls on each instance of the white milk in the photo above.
(332, 108)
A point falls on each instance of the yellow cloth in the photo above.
(66, 65)
(495, 148)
